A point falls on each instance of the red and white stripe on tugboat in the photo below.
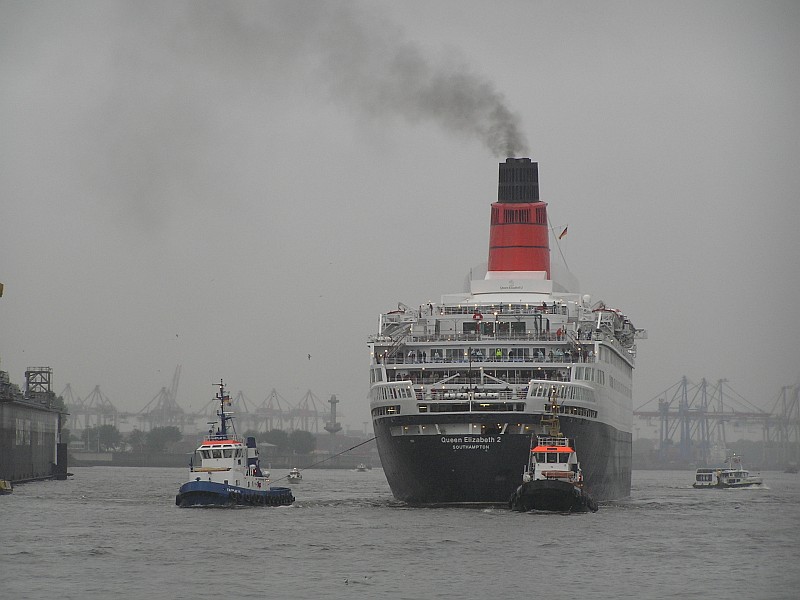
(225, 470)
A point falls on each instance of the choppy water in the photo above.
(116, 533)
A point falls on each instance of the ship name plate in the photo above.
(471, 442)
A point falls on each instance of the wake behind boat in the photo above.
(734, 476)
(553, 480)
(225, 470)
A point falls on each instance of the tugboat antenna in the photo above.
(223, 398)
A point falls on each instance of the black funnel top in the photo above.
(519, 181)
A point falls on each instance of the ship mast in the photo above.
(223, 398)
(551, 422)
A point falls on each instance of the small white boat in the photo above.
(5, 487)
(361, 467)
(295, 475)
(732, 476)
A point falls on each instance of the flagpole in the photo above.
(557, 239)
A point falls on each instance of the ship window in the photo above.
(454, 354)
(227, 453)
(541, 457)
(216, 453)
(449, 407)
(552, 457)
(386, 410)
(206, 453)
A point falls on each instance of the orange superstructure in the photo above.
(552, 449)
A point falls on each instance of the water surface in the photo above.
(109, 533)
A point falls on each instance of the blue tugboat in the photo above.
(225, 470)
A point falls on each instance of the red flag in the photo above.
(563, 233)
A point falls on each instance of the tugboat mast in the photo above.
(551, 423)
(223, 398)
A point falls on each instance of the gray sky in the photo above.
(233, 186)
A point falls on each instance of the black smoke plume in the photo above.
(366, 63)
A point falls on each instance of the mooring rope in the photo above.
(327, 459)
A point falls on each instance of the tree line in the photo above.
(107, 438)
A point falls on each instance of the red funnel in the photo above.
(518, 237)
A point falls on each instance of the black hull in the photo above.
(212, 494)
(458, 469)
(555, 496)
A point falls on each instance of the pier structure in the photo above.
(308, 414)
(163, 410)
(694, 418)
(94, 410)
(782, 431)
(273, 412)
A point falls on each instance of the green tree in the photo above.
(276, 437)
(102, 438)
(302, 442)
(159, 437)
(643, 446)
(137, 439)
(59, 404)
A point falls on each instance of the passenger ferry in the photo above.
(734, 476)
(225, 469)
(458, 387)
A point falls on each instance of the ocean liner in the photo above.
(458, 388)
